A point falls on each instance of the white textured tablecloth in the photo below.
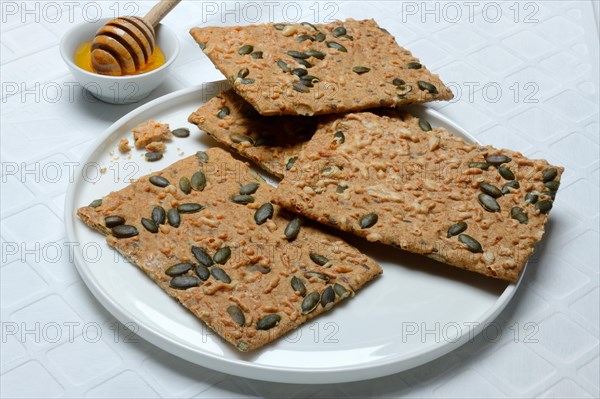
(525, 75)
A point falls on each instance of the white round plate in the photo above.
(415, 312)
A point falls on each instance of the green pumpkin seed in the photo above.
(319, 259)
(479, 165)
(472, 244)
(311, 302)
(491, 190)
(398, 82)
(456, 229)
(426, 86)
(316, 54)
(237, 315)
(202, 256)
(179, 269)
(257, 55)
(242, 73)
(113, 221)
(297, 54)
(341, 188)
(198, 181)
(488, 203)
(299, 72)
(181, 133)
(320, 37)
(413, 65)
(268, 322)
(328, 298)
(310, 78)
(336, 46)
(368, 220)
(305, 63)
(153, 156)
(306, 82)
(342, 292)
(249, 188)
(303, 38)
(544, 206)
(339, 31)
(403, 90)
(159, 181)
(279, 26)
(309, 25)
(360, 69)
(318, 275)
(549, 174)
(222, 255)
(300, 87)
(292, 229)
(290, 163)
(245, 49)
(173, 217)
(519, 214)
(202, 156)
(511, 184)
(497, 159)
(552, 185)
(185, 185)
(202, 272)
(551, 194)
(189, 208)
(220, 274)
(150, 225)
(531, 198)
(506, 173)
(223, 112)
(242, 199)
(124, 231)
(285, 67)
(202, 46)
(424, 125)
(339, 137)
(184, 282)
(298, 286)
(240, 138)
(95, 203)
(264, 213)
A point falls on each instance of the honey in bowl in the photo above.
(83, 59)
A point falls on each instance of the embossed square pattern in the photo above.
(525, 76)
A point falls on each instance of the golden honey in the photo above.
(83, 59)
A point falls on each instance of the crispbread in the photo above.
(394, 76)
(262, 260)
(419, 183)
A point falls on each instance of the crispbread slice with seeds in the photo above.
(251, 275)
(396, 181)
(305, 69)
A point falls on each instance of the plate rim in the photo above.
(243, 368)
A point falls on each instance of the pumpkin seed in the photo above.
(339, 31)
(479, 165)
(309, 25)
(310, 78)
(299, 72)
(279, 26)
(245, 49)
(240, 138)
(185, 185)
(113, 221)
(298, 286)
(223, 112)
(497, 159)
(551, 194)
(249, 188)
(159, 181)
(297, 54)
(198, 181)
(242, 199)
(511, 184)
(403, 90)
(202, 256)
(182, 132)
(426, 86)
(368, 220)
(184, 282)
(336, 46)
(549, 174)
(456, 229)
(242, 73)
(257, 55)
(518, 214)
(263, 213)
(424, 125)
(472, 244)
(150, 225)
(179, 269)
(488, 203)
(237, 315)
(318, 275)
(311, 302)
(202, 156)
(398, 82)
(319, 259)
(413, 65)
(153, 156)
(222, 255)
(342, 292)
(189, 208)
(292, 229)
(300, 87)
(290, 163)
(552, 185)
(328, 297)
(531, 198)
(124, 231)
(173, 217)
(360, 69)
(490, 189)
(544, 206)
(320, 37)
(306, 82)
(202, 46)
(341, 188)
(305, 63)
(303, 38)
(247, 81)
(285, 67)
(220, 274)
(339, 137)
(202, 272)
(315, 53)
(506, 173)
(95, 203)
(268, 322)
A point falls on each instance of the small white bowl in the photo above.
(117, 89)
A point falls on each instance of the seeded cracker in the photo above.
(272, 142)
(426, 191)
(305, 69)
(204, 230)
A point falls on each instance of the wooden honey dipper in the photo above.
(124, 45)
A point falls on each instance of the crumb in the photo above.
(124, 146)
(102, 170)
(150, 131)
(156, 146)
